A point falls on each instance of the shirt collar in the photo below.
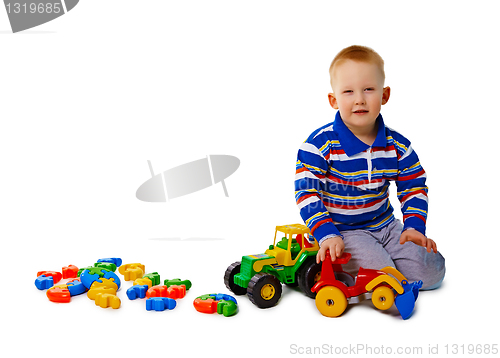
(350, 143)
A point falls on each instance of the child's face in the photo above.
(358, 93)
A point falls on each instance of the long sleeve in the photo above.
(412, 190)
(310, 181)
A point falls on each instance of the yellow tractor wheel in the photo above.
(331, 301)
(383, 298)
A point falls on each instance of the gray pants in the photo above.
(378, 249)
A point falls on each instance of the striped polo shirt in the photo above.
(342, 183)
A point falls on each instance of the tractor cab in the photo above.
(296, 240)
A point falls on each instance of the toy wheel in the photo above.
(264, 290)
(232, 270)
(383, 298)
(331, 301)
(309, 274)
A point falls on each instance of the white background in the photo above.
(87, 99)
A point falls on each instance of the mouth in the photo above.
(360, 111)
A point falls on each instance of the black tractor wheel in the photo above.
(232, 270)
(308, 275)
(264, 290)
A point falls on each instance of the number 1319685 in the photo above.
(34, 8)
(474, 349)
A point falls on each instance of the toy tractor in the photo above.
(291, 260)
(337, 288)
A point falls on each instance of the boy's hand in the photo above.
(419, 239)
(334, 244)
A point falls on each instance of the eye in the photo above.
(369, 89)
(348, 91)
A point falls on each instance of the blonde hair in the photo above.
(360, 54)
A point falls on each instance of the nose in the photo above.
(360, 99)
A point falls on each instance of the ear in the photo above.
(386, 93)
(333, 101)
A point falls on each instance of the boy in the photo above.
(343, 172)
